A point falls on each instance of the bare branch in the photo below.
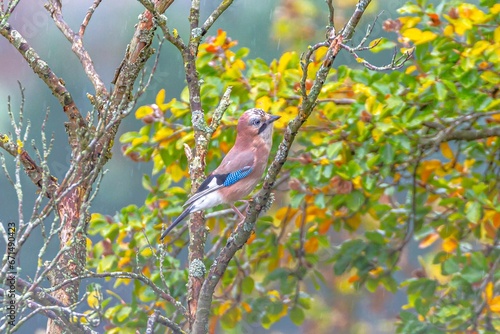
(170, 324)
(87, 18)
(224, 4)
(122, 274)
(55, 84)
(54, 7)
(221, 109)
(396, 63)
(331, 13)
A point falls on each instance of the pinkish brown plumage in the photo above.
(241, 169)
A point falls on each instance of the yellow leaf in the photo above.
(143, 111)
(495, 9)
(221, 37)
(283, 213)
(460, 26)
(449, 244)
(20, 146)
(176, 172)
(120, 281)
(317, 138)
(264, 103)
(160, 97)
(93, 299)
(88, 243)
(354, 221)
(377, 134)
(418, 36)
(140, 140)
(471, 12)
(162, 134)
(397, 177)
(446, 150)
(361, 127)
(357, 182)
(284, 61)
(375, 42)
(320, 53)
(274, 294)
(123, 261)
(224, 307)
(479, 48)
(409, 21)
(448, 30)
(411, 69)
(360, 60)
(491, 77)
(488, 291)
(376, 272)
(146, 252)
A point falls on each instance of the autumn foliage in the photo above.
(393, 184)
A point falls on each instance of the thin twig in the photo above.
(87, 18)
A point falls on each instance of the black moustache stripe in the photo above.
(262, 128)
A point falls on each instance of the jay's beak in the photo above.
(272, 119)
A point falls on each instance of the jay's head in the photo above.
(256, 122)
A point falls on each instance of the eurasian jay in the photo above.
(241, 169)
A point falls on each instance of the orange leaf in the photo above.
(450, 244)
(428, 240)
(496, 220)
(311, 245)
(446, 150)
(251, 239)
(428, 167)
(324, 227)
(495, 304)
(435, 21)
(247, 307)
(353, 278)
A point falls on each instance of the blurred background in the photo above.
(267, 28)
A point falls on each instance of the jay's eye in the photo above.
(255, 122)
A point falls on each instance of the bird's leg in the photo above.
(237, 211)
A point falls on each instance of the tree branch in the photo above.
(34, 172)
(54, 7)
(76, 122)
(87, 18)
(215, 15)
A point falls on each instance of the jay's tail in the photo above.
(181, 217)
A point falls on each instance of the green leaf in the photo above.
(376, 237)
(450, 266)
(297, 315)
(387, 153)
(473, 211)
(355, 200)
(247, 285)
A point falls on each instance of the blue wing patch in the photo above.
(234, 177)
